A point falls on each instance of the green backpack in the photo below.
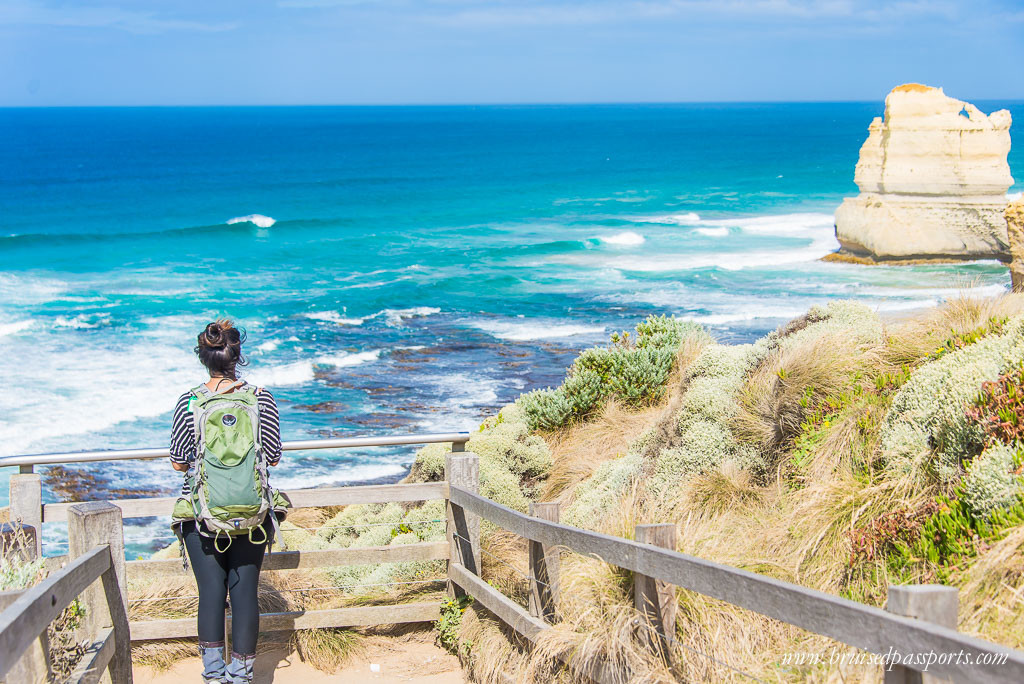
(230, 495)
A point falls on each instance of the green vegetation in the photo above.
(633, 369)
(448, 624)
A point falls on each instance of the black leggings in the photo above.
(236, 570)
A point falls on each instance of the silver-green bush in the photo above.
(927, 413)
(990, 481)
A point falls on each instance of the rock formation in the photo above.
(1015, 229)
(933, 178)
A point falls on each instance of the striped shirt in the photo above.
(183, 431)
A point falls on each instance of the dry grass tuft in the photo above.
(578, 450)
(505, 563)
(728, 487)
(777, 396)
(491, 654)
(912, 339)
(162, 655)
(992, 595)
(328, 650)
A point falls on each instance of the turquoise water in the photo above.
(400, 269)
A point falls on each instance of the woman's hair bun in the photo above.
(217, 334)
(220, 348)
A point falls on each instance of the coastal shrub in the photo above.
(705, 445)
(641, 375)
(16, 573)
(633, 368)
(504, 440)
(855, 322)
(584, 391)
(720, 361)
(929, 412)
(993, 480)
(708, 398)
(511, 444)
(545, 409)
(602, 491)
(959, 322)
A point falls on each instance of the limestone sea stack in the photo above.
(933, 178)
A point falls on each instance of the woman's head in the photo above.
(220, 348)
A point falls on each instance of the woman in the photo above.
(236, 568)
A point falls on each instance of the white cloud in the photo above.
(312, 4)
(26, 13)
(547, 13)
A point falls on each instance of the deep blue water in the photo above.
(424, 264)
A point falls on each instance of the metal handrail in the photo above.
(27, 461)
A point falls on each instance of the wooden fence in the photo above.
(920, 626)
(96, 552)
(920, 622)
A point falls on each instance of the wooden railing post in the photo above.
(544, 567)
(654, 599)
(90, 525)
(26, 493)
(463, 528)
(933, 603)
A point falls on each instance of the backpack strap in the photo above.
(233, 386)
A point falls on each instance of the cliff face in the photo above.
(1015, 228)
(933, 178)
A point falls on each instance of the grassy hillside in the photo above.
(841, 452)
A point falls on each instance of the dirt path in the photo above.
(399, 660)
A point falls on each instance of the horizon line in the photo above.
(1012, 100)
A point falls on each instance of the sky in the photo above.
(236, 52)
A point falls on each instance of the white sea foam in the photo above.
(301, 372)
(730, 261)
(753, 314)
(685, 219)
(58, 414)
(807, 225)
(713, 232)
(907, 305)
(284, 478)
(268, 346)
(345, 360)
(333, 317)
(285, 375)
(523, 331)
(817, 228)
(258, 220)
(29, 289)
(396, 317)
(14, 328)
(626, 239)
(81, 321)
(983, 291)
(1014, 196)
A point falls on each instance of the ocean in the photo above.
(399, 269)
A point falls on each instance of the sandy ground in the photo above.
(400, 660)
